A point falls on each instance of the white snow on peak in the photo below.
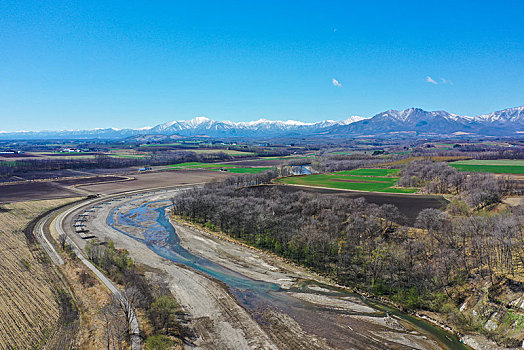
(256, 124)
(263, 121)
(197, 121)
(353, 119)
(505, 115)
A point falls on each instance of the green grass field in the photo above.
(195, 165)
(247, 170)
(130, 156)
(369, 172)
(372, 180)
(502, 166)
(217, 167)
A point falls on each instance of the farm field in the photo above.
(155, 180)
(65, 155)
(432, 158)
(29, 288)
(34, 190)
(226, 151)
(371, 180)
(503, 166)
(217, 166)
(263, 162)
(130, 155)
(247, 170)
(369, 172)
(199, 165)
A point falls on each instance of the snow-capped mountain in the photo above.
(257, 128)
(510, 115)
(411, 121)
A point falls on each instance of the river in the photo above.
(149, 224)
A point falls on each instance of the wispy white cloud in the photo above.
(430, 80)
(336, 83)
(446, 81)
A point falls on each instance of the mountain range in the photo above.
(413, 122)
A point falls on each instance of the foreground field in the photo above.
(29, 289)
(34, 190)
(503, 166)
(372, 180)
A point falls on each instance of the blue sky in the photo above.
(87, 64)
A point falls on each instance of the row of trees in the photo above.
(102, 161)
(478, 190)
(484, 152)
(154, 297)
(361, 243)
(329, 162)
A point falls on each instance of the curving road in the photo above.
(44, 242)
(57, 259)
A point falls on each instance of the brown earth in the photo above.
(157, 180)
(90, 180)
(29, 287)
(69, 154)
(10, 156)
(27, 191)
(50, 174)
(40, 190)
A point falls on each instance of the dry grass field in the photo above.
(29, 288)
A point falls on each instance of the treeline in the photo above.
(478, 190)
(101, 161)
(153, 297)
(480, 152)
(329, 162)
(362, 244)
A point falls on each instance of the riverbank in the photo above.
(185, 227)
(305, 311)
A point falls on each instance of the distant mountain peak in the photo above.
(411, 121)
(503, 116)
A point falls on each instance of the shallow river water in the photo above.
(155, 230)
